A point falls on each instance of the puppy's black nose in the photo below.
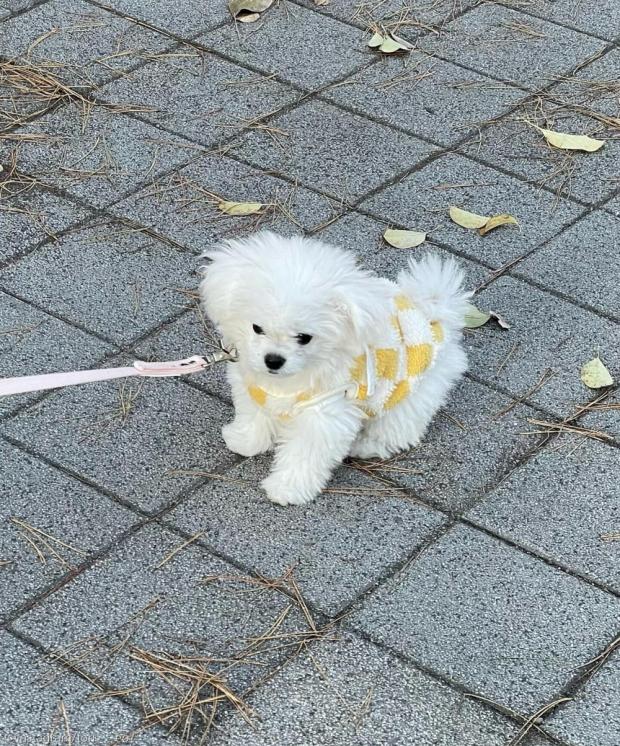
(274, 362)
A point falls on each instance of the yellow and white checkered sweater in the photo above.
(382, 376)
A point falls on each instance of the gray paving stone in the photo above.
(184, 18)
(32, 216)
(204, 98)
(578, 263)
(364, 237)
(349, 693)
(32, 705)
(287, 44)
(559, 505)
(424, 198)
(78, 42)
(414, 19)
(513, 145)
(499, 42)
(15, 106)
(183, 205)
(340, 545)
(179, 613)
(593, 717)
(78, 278)
(605, 417)
(549, 334)
(33, 342)
(493, 619)
(99, 159)
(332, 150)
(127, 438)
(425, 96)
(52, 502)
(613, 206)
(9, 7)
(467, 449)
(192, 334)
(601, 18)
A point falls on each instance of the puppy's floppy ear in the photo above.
(222, 277)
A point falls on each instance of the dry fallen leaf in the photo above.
(321, 2)
(404, 239)
(389, 43)
(595, 375)
(468, 219)
(482, 223)
(248, 11)
(474, 317)
(496, 221)
(570, 142)
(501, 321)
(240, 208)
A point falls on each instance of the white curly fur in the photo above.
(297, 285)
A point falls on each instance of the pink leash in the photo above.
(194, 364)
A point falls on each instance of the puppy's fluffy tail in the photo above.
(435, 286)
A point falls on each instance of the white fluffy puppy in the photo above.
(333, 361)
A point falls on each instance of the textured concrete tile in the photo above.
(299, 45)
(491, 618)
(177, 609)
(32, 216)
(594, 86)
(334, 151)
(559, 505)
(32, 342)
(127, 437)
(79, 43)
(606, 415)
(513, 145)
(416, 19)
(183, 205)
(467, 448)
(594, 716)
(614, 206)
(78, 278)
(62, 507)
(100, 158)
(340, 544)
(192, 334)
(601, 18)
(549, 334)
(424, 198)
(578, 263)
(32, 705)
(497, 41)
(184, 18)
(425, 96)
(364, 237)
(305, 703)
(9, 7)
(201, 97)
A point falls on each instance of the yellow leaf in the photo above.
(571, 142)
(495, 222)
(404, 239)
(240, 208)
(474, 317)
(321, 2)
(595, 375)
(468, 219)
(389, 43)
(237, 7)
(245, 17)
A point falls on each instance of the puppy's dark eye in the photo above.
(258, 329)
(303, 339)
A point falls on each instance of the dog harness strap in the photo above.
(48, 381)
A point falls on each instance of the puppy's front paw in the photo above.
(286, 492)
(244, 440)
(366, 448)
